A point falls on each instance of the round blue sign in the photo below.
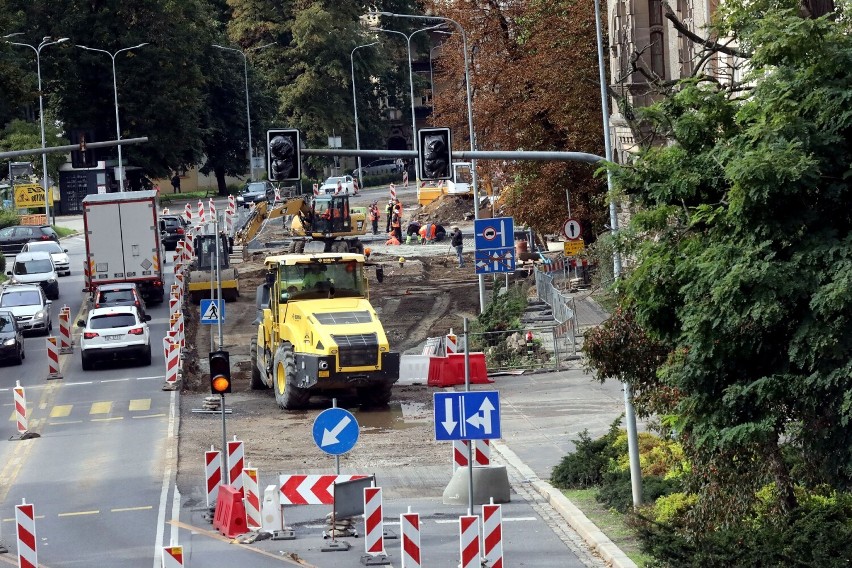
(335, 431)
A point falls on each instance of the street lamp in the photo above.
(248, 111)
(355, 107)
(44, 43)
(115, 93)
(410, 89)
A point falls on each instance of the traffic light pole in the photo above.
(226, 473)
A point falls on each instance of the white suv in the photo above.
(36, 268)
(116, 332)
(29, 305)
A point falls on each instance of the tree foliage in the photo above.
(745, 268)
(534, 77)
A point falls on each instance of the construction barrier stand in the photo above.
(53, 358)
(173, 557)
(374, 543)
(20, 407)
(213, 475)
(236, 464)
(26, 531)
(230, 517)
(409, 524)
(469, 541)
(492, 535)
(252, 498)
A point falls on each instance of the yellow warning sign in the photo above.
(29, 195)
(573, 248)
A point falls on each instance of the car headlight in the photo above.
(40, 315)
(10, 341)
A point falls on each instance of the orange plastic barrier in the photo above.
(449, 371)
(230, 517)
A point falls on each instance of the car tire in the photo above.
(86, 362)
(146, 357)
(19, 360)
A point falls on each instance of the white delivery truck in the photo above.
(123, 242)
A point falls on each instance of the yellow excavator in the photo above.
(203, 269)
(325, 218)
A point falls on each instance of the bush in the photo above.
(616, 491)
(8, 217)
(589, 462)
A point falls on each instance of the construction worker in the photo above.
(412, 231)
(314, 278)
(374, 217)
(389, 213)
(396, 227)
(422, 233)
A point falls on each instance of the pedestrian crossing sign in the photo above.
(212, 311)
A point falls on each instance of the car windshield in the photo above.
(46, 246)
(318, 280)
(38, 266)
(117, 296)
(111, 321)
(22, 298)
(6, 322)
(334, 180)
(256, 188)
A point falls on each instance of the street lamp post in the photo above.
(44, 43)
(410, 89)
(115, 94)
(469, 122)
(248, 111)
(355, 108)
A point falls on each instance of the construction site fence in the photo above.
(528, 348)
(551, 289)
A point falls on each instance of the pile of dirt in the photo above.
(447, 209)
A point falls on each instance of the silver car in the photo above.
(29, 305)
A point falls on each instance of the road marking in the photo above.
(148, 416)
(103, 407)
(505, 520)
(14, 415)
(151, 378)
(140, 404)
(78, 513)
(169, 461)
(114, 380)
(110, 419)
(79, 383)
(129, 509)
(61, 411)
(65, 422)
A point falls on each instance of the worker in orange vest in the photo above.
(396, 227)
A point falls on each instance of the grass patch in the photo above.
(64, 231)
(610, 522)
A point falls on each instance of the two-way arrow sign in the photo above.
(467, 415)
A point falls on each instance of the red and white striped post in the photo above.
(202, 218)
(251, 490)
(232, 204)
(409, 524)
(187, 212)
(481, 453)
(316, 189)
(236, 456)
(171, 351)
(212, 207)
(374, 529)
(181, 331)
(66, 343)
(188, 246)
(26, 531)
(392, 188)
(53, 358)
(452, 342)
(20, 407)
(165, 211)
(179, 283)
(174, 302)
(492, 534)
(213, 475)
(469, 541)
(173, 556)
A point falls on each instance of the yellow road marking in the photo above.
(216, 536)
(78, 513)
(140, 404)
(61, 410)
(126, 509)
(101, 407)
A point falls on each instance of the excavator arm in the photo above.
(262, 213)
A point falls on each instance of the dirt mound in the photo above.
(447, 209)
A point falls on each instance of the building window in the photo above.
(658, 46)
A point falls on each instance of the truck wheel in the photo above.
(256, 380)
(287, 396)
(195, 297)
(291, 247)
(376, 395)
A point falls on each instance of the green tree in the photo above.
(743, 264)
(22, 135)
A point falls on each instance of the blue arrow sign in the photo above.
(467, 415)
(335, 431)
(212, 311)
(494, 260)
(498, 233)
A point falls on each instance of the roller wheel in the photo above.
(376, 395)
(256, 379)
(287, 396)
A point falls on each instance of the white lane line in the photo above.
(505, 520)
(114, 380)
(164, 491)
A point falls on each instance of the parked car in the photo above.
(256, 192)
(58, 254)
(35, 268)
(11, 338)
(173, 228)
(114, 333)
(12, 239)
(346, 185)
(29, 305)
(118, 294)
(379, 167)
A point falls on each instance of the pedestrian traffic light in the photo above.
(220, 372)
(284, 154)
(434, 146)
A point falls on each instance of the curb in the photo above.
(578, 521)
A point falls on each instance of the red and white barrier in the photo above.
(452, 342)
(392, 189)
(26, 531)
(213, 475)
(172, 354)
(187, 212)
(179, 283)
(202, 218)
(165, 211)
(174, 302)
(310, 489)
(409, 524)
(212, 207)
(481, 453)
(277, 195)
(53, 358)
(232, 204)
(316, 189)
(20, 407)
(251, 490)
(469, 541)
(66, 343)
(374, 541)
(492, 534)
(172, 557)
(236, 463)
(181, 330)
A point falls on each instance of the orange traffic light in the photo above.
(220, 372)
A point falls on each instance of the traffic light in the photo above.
(284, 155)
(220, 372)
(84, 157)
(433, 147)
